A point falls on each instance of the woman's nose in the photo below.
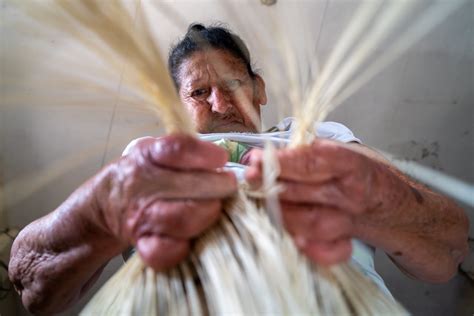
(219, 101)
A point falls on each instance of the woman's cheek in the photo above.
(201, 117)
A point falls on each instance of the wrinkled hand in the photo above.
(326, 186)
(164, 193)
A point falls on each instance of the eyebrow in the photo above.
(191, 84)
(196, 77)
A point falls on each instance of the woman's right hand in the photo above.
(165, 192)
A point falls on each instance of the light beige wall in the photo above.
(419, 108)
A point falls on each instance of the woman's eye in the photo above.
(199, 93)
(233, 84)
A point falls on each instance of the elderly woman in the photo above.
(166, 191)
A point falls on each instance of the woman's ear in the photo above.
(260, 94)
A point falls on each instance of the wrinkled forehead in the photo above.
(206, 64)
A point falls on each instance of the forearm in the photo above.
(423, 232)
(55, 259)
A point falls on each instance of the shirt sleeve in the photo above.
(335, 131)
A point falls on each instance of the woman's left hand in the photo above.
(326, 186)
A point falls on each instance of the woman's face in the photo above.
(218, 92)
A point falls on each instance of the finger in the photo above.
(253, 176)
(321, 161)
(322, 224)
(253, 173)
(181, 219)
(166, 183)
(328, 194)
(182, 152)
(161, 252)
(325, 194)
(327, 253)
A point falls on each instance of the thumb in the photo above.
(182, 152)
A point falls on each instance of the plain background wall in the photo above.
(419, 108)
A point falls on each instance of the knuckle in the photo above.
(328, 148)
(329, 225)
(155, 218)
(177, 144)
(172, 216)
(145, 142)
(302, 160)
(128, 170)
(306, 220)
(308, 165)
(208, 212)
(141, 153)
(191, 217)
(131, 172)
(324, 228)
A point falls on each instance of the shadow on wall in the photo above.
(423, 151)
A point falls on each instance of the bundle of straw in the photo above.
(245, 264)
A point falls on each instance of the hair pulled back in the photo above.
(198, 37)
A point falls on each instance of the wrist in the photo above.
(389, 196)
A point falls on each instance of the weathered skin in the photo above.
(334, 192)
(165, 192)
(219, 94)
(168, 191)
